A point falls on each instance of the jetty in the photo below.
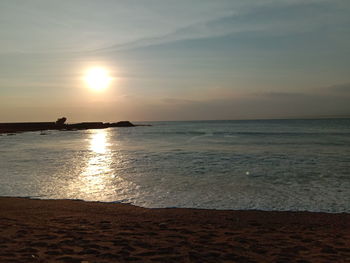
(60, 124)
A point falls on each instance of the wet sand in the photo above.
(77, 231)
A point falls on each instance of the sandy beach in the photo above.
(77, 231)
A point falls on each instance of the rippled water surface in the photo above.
(269, 165)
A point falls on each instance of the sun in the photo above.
(97, 78)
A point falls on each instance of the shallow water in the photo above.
(268, 165)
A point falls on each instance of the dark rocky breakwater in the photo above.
(59, 125)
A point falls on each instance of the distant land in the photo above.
(60, 124)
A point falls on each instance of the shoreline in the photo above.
(35, 230)
(172, 207)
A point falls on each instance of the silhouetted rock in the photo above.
(61, 121)
(26, 126)
(59, 125)
(122, 124)
(86, 125)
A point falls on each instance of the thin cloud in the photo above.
(340, 88)
(89, 26)
(269, 17)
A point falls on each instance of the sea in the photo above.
(283, 165)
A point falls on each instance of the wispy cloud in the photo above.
(85, 25)
(264, 18)
(340, 88)
(263, 105)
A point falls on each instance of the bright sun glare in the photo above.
(97, 78)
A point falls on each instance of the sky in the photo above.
(174, 59)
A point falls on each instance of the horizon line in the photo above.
(199, 120)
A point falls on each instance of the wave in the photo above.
(247, 133)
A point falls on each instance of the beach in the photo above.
(78, 231)
(174, 131)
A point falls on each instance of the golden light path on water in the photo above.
(97, 172)
(99, 178)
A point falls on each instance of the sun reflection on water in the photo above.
(99, 141)
(101, 174)
(97, 173)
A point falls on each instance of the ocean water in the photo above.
(265, 164)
